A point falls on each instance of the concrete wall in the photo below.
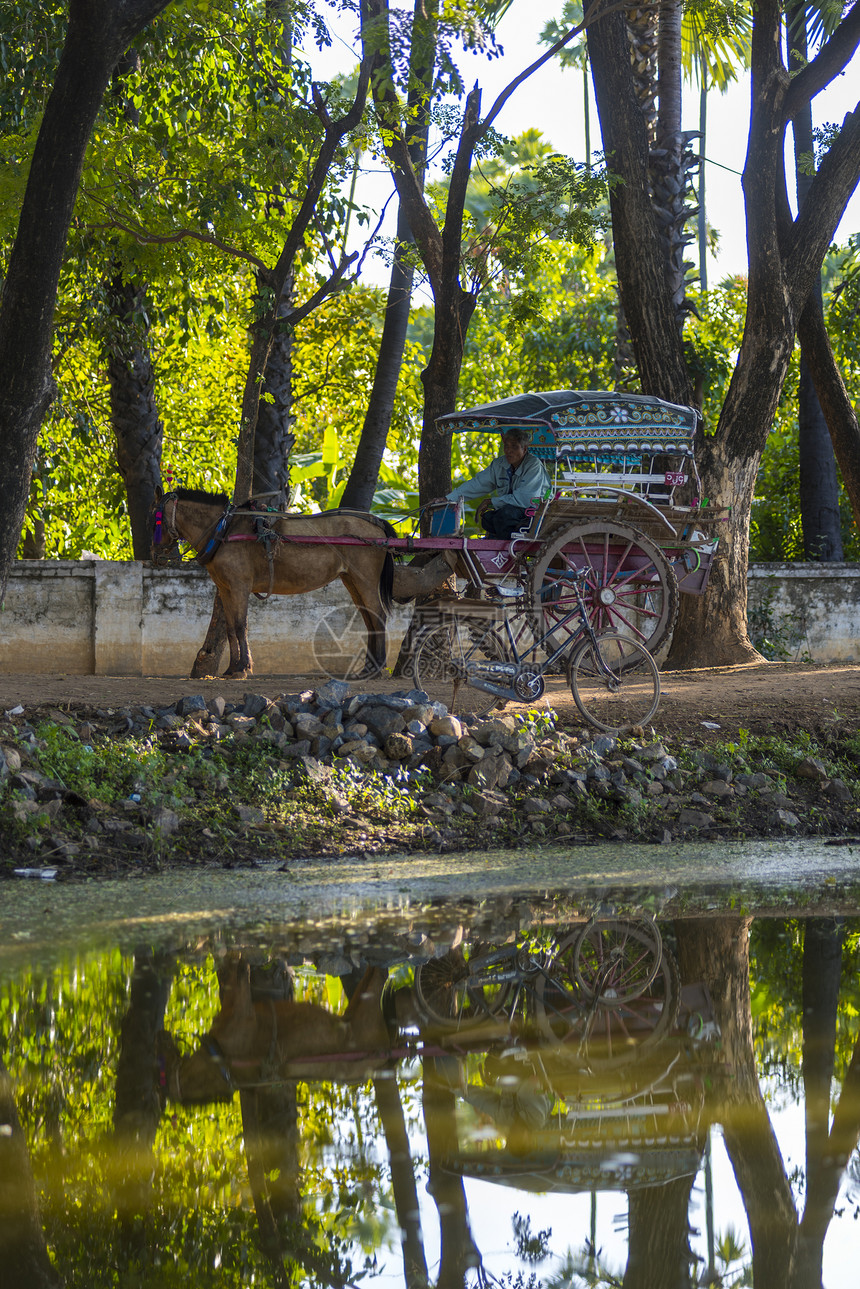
(100, 617)
(811, 610)
(110, 618)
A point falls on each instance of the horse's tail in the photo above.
(386, 583)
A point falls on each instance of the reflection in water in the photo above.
(239, 1116)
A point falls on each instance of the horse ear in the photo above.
(159, 495)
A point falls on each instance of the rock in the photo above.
(718, 788)
(785, 818)
(487, 803)
(164, 821)
(382, 721)
(446, 727)
(756, 780)
(780, 800)
(306, 725)
(838, 790)
(694, 819)
(561, 802)
(471, 748)
(254, 704)
(299, 749)
(653, 788)
(249, 814)
(334, 693)
(192, 703)
(500, 730)
(535, 806)
(811, 768)
(240, 723)
(12, 758)
(398, 746)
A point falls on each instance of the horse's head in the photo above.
(227, 1050)
(198, 1079)
(163, 527)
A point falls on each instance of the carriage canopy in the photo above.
(570, 421)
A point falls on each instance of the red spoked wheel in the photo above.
(629, 585)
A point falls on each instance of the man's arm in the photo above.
(483, 483)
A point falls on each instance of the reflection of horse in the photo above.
(251, 1043)
(296, 553)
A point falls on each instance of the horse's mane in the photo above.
(200, 494)
(365, 514)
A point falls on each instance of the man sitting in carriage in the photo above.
(514, 483)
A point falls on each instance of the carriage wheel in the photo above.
(600, 1032)
(630, 586)
(441, 664)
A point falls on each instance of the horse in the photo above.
(287, 554)
(253, 1043)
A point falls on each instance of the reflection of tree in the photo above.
(402, 1179)
(23, 1253)
(457, 1248)
(659, 1253)
(787, 1254)
(138, 1108)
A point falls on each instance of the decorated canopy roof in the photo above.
(586, 421)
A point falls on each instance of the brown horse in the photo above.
(251, 1043)
(284, 563)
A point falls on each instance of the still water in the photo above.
(525, 1092)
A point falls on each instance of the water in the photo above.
(492, 1077)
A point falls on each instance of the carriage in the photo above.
(624, 522)
(622, 531)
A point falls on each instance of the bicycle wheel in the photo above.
(601, 1037)
(614, 682)
(615, 961)
(467, 986)
(441, 663)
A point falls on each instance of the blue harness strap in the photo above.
(219, 532)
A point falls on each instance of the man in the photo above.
(516, 481)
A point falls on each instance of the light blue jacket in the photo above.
(529, 483)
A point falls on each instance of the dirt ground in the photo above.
(762, 698)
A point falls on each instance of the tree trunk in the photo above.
(363, 478)
(273, 439)
(23, 1253)
(98, 33)
(658, 1243)
(364, 475)
(639, 258)
(834, 398)
(716, 951)
(137, 1110)
(822, 974)
(819, 485)
(134, 414)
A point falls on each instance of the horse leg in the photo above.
(235, 603)
(209, 655)
(365, 596)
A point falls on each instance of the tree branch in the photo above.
(179, 235)
(831, 59)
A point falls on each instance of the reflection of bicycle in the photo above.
(598, 994)
(613, 678)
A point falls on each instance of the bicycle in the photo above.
(613, 678)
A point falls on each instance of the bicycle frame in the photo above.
(481, 681)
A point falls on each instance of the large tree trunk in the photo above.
(716, 951)
(23, 1253)
(358, 494)
(98, 33)
(639, 258)
(134, 414)
(819, 485)
(137, 1110)
(273, 438)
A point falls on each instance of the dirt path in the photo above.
(762, 698)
